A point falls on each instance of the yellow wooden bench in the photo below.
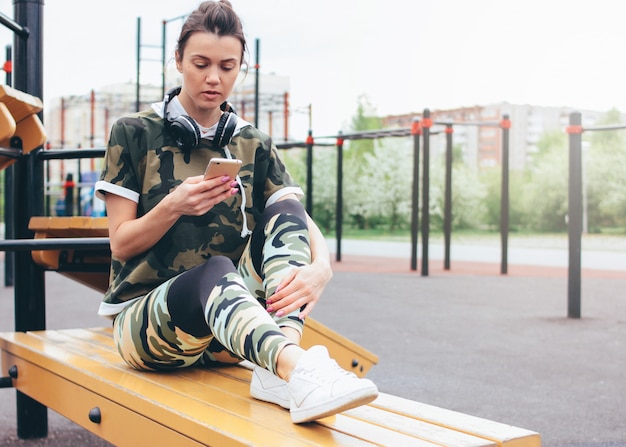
(18, 118)
(79, 374)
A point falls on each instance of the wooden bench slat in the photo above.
(7, 124)
(23, 121)
(502, 434)
(19, 103)
(443, 436)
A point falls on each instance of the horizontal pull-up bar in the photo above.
(371, 134)
(64, 154)
(55, 244)
(18, 29)
(606, 127)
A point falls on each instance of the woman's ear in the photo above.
(178, 62)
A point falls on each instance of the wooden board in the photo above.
(25, 123)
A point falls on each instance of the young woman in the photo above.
(220, 269)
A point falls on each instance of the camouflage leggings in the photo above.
(216, 307)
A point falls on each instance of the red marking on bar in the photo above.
(8, 67)
(574, 129)
(427, 123)
(416, 128)
(449, 129)
(339, 141)
(505, 124)
(309, 139)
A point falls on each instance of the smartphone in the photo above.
(219, 167)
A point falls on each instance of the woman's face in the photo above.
(210, 65)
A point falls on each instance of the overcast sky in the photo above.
(404, 55)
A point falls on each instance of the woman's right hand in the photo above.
(195, 196)
(130, 236)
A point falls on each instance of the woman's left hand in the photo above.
(301, 286)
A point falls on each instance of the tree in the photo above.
(603, 169)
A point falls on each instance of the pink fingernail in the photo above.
(280, 313)
(270, 309)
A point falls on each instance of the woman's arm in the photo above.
(304, 285)
(131, 235)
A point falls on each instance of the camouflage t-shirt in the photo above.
(142, 163)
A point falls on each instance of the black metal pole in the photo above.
(69, 195)
(138, 68)
(30, 312)
(309, 173)
(257, 66)
(426, 125)
(163, 56)
(9, 231)
(339, 209)
(504, 196)
(447, 217)
(416, 131)
(574, 214)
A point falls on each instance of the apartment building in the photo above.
(477, 131)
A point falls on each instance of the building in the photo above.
(476, 130)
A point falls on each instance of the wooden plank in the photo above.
(444, 436)
(502, 434)
(7, 125)
(20, 104)
(25, 123)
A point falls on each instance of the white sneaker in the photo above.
(318, 387)
(267, 387)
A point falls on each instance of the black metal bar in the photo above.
(339, 205)
(447, 213)
(69, 195)
(257, 66)
(65, 154)
(426, 124)
(6, 382)
(504, 197)
(30, 313)
(574, 215)
(9, 224)
(18, 29)
(309, 173)
(11, 152)
(8, 74)
(55, 244)
(138, 67)
(607, 127)
(416, 131)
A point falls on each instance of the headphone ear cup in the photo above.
(225, 130)
(186, 132)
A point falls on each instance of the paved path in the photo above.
(468, 339)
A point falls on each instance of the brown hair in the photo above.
(216, 17)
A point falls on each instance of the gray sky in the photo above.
(404, 55)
